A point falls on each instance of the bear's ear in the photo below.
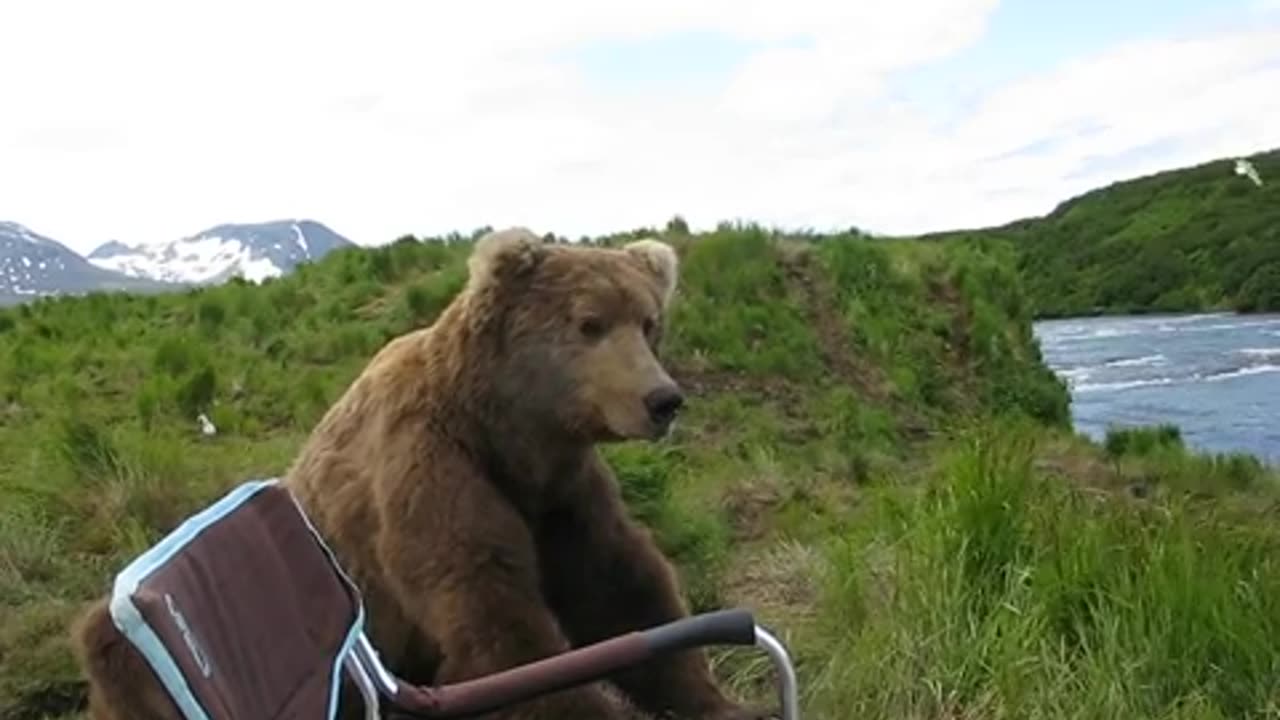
(504, 255)
(661, 260)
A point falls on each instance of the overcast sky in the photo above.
(146, 121)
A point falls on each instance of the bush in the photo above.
(196, 392)
(1141, 441)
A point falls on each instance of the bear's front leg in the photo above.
(462, 564)
(605, 577)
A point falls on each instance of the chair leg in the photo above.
(368, 693)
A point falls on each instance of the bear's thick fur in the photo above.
(459, 483)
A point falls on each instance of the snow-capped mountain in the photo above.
(253, 251)
(32, 265)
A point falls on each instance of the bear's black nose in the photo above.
(663, 404)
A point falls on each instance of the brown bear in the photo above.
(459, 482)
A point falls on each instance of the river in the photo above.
(1215, 376)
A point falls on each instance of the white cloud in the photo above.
(1198, 98)
(146, 120)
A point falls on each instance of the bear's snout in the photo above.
(663, 404)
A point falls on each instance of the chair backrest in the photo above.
(243, 610)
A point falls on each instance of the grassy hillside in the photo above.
(1191, 239)
(874, 458)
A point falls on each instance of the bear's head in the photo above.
(574, 333)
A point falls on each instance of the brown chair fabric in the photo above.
(242, 611)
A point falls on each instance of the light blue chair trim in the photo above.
(133, 626)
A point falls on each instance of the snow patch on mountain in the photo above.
(253, 251)
(32, 265)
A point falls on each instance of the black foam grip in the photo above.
(721, 627)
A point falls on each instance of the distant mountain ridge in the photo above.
(33, 265)
(1203, 237)
(254, 251)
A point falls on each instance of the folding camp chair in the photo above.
(244, 613)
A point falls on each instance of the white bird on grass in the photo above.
(206, 426)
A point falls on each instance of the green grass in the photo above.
(874, 458)
(996, 590)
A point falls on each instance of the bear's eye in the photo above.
(591, 328)
(648, 326)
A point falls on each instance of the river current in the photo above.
(1215, 376)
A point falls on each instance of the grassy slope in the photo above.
(873, 459)
(1190, 239)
